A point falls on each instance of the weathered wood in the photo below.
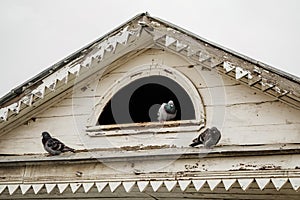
(232, 95)
(267, 113)
(204, 78)
(148, 164)
(96, 86)
(70, 107)
(154, 56)
(243, 112)
(261, 134)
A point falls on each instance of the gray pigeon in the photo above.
(209, 138)
(53, 145)
(167, 111)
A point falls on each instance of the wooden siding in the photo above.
(245, 116)
(194, 176)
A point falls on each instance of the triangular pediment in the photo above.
(137, 35)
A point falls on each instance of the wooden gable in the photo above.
(255, 106)
(239, 95)
(244, 115)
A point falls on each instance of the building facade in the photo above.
(102, 101)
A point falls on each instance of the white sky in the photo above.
(38, 33)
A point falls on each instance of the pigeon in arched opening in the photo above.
(209, 138)
(53, 145)
(167, 111)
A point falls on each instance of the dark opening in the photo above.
(140, 100)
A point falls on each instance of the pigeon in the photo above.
(53, 145)
(209, 138)
(167, 111)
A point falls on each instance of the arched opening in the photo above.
(139, 101)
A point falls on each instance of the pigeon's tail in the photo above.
(66, 148)
(196, 142)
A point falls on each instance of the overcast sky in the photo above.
(36, 34)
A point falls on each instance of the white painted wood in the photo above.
(154, 56)
(203, 78)
(156, 185)
(295, 182)
(49, 187)
(145, 128)
(198, 184)
(95, 86)
(128, 185)
(232, 95)
(217, 190)
(213, 183)
(12, 188)
(246, 118)
(2, 188)
(261, 134)
(244, 113)
(87, 186)
(101, 185)
(228, 183)
(279, 182)
(240, 72)
(25, 188)
(228, 66)
(262, 182)
(170, 185)
(183, 184)
(37, 187)
(75, 186)
(114, 185)
(256, 114)
(142, 185)
(245, 183)
(62, 187)
(70, 107)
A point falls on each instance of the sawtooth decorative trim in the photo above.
(154, 185)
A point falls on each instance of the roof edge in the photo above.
(284, 74)
(18, 90)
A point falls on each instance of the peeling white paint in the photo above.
(169, 41)
(245, 184)
(228, 66)
(240, 72)
(110, 44)
(50, 187)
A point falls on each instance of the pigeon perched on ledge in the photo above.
(209, 138)
(53, 145)
(167, 111)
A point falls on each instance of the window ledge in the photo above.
(145, 127)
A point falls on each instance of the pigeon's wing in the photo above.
(201, 138)
(161, 114)
(211, 142)
(205, 135)
(53, 146)
(171, 116)
(57, 145)
(214, 137)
